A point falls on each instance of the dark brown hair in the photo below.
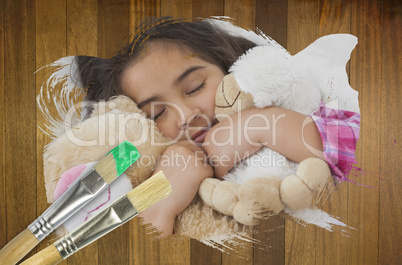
(101, 77)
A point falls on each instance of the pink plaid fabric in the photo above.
(339, 130)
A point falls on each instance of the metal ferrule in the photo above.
(77, 196)
(110, 218)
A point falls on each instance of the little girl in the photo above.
(172, 70)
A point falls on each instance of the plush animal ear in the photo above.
(230, 99)
(327, 58)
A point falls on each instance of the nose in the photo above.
(186, 114)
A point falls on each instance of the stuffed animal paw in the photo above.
(261, 197)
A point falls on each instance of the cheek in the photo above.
(168, 129)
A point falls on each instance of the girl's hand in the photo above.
(287, 132)
(184, 166)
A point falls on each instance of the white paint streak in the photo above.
(315, 216)
(60, 100)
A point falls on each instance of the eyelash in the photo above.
(196, 89)
(158, 115)
(191, 92)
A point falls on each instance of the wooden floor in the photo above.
(33, 34)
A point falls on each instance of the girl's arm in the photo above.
(287, 132)
(184, 165)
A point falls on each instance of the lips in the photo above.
(199, 136)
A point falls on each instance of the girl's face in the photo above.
(176, 89)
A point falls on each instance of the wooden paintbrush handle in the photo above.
(18, 247)
(48, 256)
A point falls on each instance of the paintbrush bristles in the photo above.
(150, 192)
(106, 167)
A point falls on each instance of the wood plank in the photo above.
(82, 27)
(140, 9)
(174, 253)
(303, 19)
(365, 76)
(271, 234)
(335, 17)
(20, 137)
(390, 233)
(82, 39)
(113, 26)
(50, 45)
(201, 253)
(177, 249)
(207, 8)
(242, 11)
(3, 209)
(144, 244)
(177, 8)
(271, 18)
(113, 33)
(239, 252)
(171, 249)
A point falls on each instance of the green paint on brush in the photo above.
(125, 154)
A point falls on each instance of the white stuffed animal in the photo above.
(268, 75)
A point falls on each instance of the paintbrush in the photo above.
(124, 209)
(80, 192)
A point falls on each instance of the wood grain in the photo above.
(19, 115)
(242, 11)
(35, 33)
(365, 76)
(48, 256)
(334, 17)
(3, 208)
(145, 245)
(207, 8)
(113, 26)
(303, 18)
(18, 247)
(173, 253)
(141, 9)
(50, 46)
(175, 249)
(82, 27)
(113, 34)
(271, 18)
(177, 8)
(390, 234)
(201, 253)
(82, 39)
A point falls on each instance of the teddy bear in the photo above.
(269, 76)
(119, 119)
(109, 124)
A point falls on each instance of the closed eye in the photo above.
(158, 115)
(196, 89)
